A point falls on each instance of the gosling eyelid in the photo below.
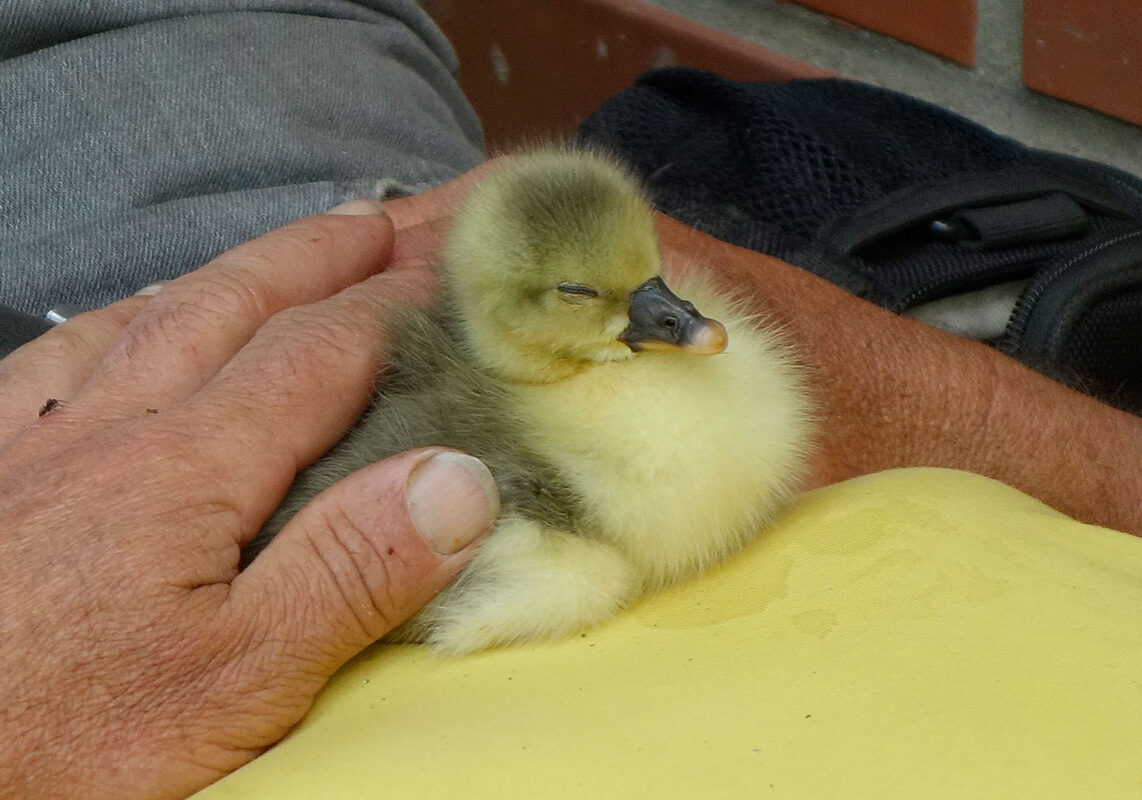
(576, 288)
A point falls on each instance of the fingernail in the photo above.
(451, 499)
(152, 289)
(358, 208)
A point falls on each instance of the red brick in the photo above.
(1086, 51)
(537, 68)
(945, 27)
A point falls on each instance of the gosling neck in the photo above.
(513, 362)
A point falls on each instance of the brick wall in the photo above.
(945, 27)
(1085, 51)
(536, 67)
(1061, 74)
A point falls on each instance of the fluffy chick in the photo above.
(634, 440)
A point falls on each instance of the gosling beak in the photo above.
(661, 320)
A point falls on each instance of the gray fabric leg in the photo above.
(140, 139)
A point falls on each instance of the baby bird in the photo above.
(634, 441)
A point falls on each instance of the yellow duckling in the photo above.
(634, 440)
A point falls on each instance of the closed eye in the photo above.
(576, 288)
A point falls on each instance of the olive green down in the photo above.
(432, 395)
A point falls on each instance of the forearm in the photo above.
(892, 392)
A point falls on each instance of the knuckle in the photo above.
(173, 319)
(238, 286)
(82, 337)
(217, 295)
(240, 290)
(164, 324)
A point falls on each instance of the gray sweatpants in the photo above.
(139, 139)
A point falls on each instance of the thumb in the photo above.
(362, 557)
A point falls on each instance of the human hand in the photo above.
(136, 661)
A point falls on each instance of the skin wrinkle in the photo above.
(305, 242)
(303, 348)
(357, 341)
(215, 561)
(298, 357)
(70, 342)
(297, 363)
(169, 324)
(374, 612)
(336, 574)
(183, 655)
(110, 708)
(238, 291)
(259, 660)
(211, 495)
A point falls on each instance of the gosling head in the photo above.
(553, 266)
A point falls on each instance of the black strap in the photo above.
(1042, 219)
(921, 203)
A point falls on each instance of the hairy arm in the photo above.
(893, 392)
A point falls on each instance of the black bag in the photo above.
(908, 205)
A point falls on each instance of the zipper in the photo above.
(1025, 305)
(939, 285)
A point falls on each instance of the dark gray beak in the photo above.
(661, 320)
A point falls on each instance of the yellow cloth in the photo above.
(912, 634)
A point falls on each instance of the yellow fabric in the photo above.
(911, 634)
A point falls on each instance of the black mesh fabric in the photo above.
(1104, 350)
(780, 167)
(793, 155)
(782, 157)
